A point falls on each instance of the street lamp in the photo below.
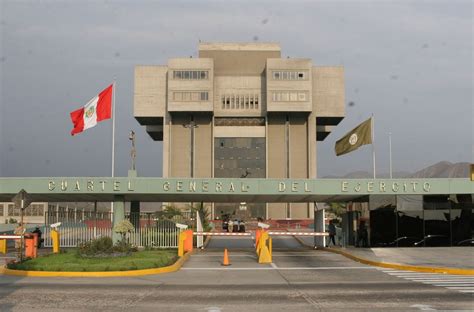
(133, 152)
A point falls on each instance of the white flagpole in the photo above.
(113, 128)
(390, 152)
(113, 144)
(373, 143)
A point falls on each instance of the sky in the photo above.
(409, 63)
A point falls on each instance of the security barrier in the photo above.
(55, 238)
(185, 242)
(3, 246)
(263, 240)
(264, 246)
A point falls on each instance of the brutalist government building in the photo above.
(240, 110)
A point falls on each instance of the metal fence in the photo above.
(71, 235)
(159, 234)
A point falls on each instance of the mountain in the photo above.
(443, 169)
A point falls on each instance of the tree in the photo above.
(338, 209)
(124, 227)
(169, 213)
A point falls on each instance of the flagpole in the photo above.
(113, 144)
(113, 128)
(373, 142)
(390, 152)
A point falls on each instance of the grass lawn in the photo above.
(70, 261)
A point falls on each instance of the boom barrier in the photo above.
(273, 233)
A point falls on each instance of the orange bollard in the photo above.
(188, 241)
(226, 261)
(30, 246)
(258, 233)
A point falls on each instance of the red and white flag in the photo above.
(98, 109)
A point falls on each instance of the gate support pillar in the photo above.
(319, 215)
(135, 214)
(118, 216)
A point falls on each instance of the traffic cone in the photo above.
(226, 258)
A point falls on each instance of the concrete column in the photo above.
(118, 216)
(319, 241)
(135, 214)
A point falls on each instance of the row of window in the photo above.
(290, 96)
(190, 96)
(34, 210)
(190, 74)
(204, 74)
(239, 101)
(289, 75)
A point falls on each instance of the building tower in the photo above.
(239, 110)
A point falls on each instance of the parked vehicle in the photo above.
(433, 241)
(466, 242)
(404, 241)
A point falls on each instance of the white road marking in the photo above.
(281, 268)
(461, 283)
(423, 307)
(274, 265)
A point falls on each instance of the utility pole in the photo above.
(133, 151)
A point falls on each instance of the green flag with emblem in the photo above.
(360, 135)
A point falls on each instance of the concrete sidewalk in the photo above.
(417, 258)
(435, 257)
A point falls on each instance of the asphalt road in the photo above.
(298, 280)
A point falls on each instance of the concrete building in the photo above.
(240, 110)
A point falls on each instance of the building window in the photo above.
(190, 74)
(290, 96)
(302, 96)
(12, 211)
(240, 101)
(289, 75)
(1, 211)
(190, 96)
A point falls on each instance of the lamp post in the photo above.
(133, 151)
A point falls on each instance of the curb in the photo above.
(168, 269)
(303, 243)
(206, 242)
(414, 268)
(442, 270)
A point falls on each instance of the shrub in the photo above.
(98, 246)
(124, 247)
(103, 246)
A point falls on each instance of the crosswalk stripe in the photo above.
(460, 283)
(435, 280)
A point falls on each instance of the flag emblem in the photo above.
(96, 110)
(357, 137)
(90, 112)
(353, 139)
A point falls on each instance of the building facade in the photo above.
(34, 213)
(240, 110)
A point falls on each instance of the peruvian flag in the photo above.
(98, 109)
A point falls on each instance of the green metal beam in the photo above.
(223, 190)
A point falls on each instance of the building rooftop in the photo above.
(244, 46)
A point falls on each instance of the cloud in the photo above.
(56, 55)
